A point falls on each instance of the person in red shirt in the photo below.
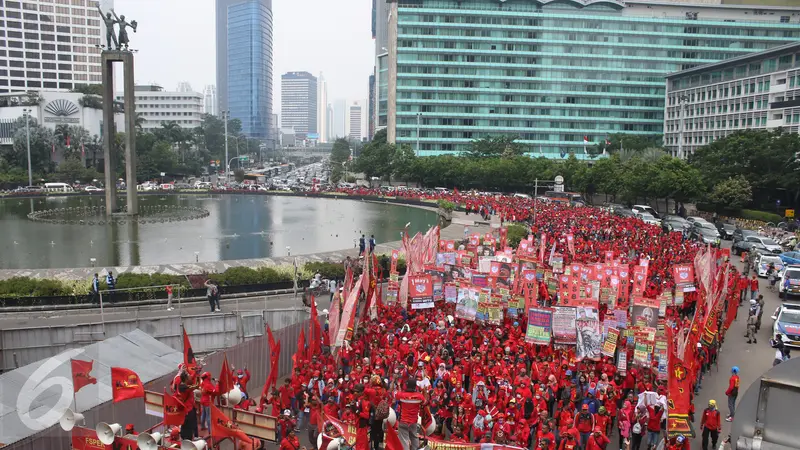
(286, 394)
(544, 434)
(754, 287)
(568, 443)
(711, 424)
(411, 403)
(189, 427)
(242, 377)
(598, 440)
(585, 423)
(290, 442)
(678, 443)
(208, 391)
(732, 392)
(362, 410)
(174, 437)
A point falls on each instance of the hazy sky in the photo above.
(176, 41)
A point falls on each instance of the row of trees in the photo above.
(170, 149)
(752, 166)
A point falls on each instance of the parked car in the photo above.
(705, 235)
(740, 234)
(623, 212)
(92, 189)
(726, 230)
(787, 323)
(647, 218)
(645, 209)
(790, 257)
(748, 244)
(764, 260)
(789, 281)
(769, 244)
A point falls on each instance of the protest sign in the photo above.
(564, 330)
(540, 328)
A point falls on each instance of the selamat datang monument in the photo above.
(121, 52)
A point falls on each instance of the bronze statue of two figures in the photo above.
(121, 40)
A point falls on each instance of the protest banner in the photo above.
(540, 326)
(564, 330)
(437, 281)
(467, 303)
(645, 312)
(450, 293)
(589, 341)
(610, 344)
(482, 313)
(495, 309)
(420, 291)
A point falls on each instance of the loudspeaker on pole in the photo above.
(70, 419)
(107, 432)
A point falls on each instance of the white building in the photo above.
(210, 100)
(355, 122)
(299, 104)
(55, 108)
(322, 108)
(157, 106)
(184, 86)
(339, 118)
(51, 44)
(754, 91)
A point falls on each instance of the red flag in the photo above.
(222, 427)
(274, 355)
(225, 376)
(315, 331)
(678, 392)
(125, 384)
(188, 354)
(80, 374)
(300, 354)
(392, 439)
(174, 410)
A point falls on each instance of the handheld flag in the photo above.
(174, 410)
(125, 384)
(225, 376)
(188, 354)
(222, 427)
(80, 374)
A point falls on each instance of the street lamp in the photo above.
(682, 100)
(225, 116)
(26, 112)
(228, 166)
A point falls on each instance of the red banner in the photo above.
(81, 374)
(125, 384)
(420, 286)
(86, 439)
(542, 246)
(639, 279)
(683, 273)
(571, 244)
(174, 410)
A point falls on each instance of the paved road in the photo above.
(753, 360)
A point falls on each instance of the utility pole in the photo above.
(535, 194)
(27, 112)
(419, 116)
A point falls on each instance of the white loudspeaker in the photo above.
(198, 395)
(392, 419)
(234, 397)
(70, 419)
(147, 441)
(335, 444)
(431, 428)
(319, 441)
(107, 432)
(193, 445)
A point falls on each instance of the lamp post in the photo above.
(228, 166)
(682, 100)
(225, 115)
(26, 112)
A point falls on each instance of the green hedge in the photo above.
(385, 261)
(237, 276)
(446, 205)
(331, 271)
(32, 287)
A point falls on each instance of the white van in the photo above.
(57, 187)
(525, 196)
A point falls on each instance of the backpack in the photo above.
(382, 410)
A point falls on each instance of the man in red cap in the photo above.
(130, 430)
(585, 423)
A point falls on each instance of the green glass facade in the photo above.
(554, 73)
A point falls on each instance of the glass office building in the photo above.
(556, 72)
(245, 57)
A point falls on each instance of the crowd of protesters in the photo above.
(485, 383)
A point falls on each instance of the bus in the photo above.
(572, 198)
(57, 187)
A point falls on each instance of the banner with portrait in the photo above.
(645, 312)
(589, 339)
(467, 303)
(437, 281)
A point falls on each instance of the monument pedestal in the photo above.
(108, 58)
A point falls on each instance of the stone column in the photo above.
(109, 130)
(130, 135)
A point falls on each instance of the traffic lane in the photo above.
(86, 316)
(753, 360)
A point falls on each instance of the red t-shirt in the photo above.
(410, 406)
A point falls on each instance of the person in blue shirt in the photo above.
(110, 281)
(96, 289)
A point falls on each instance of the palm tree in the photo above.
(140, 122)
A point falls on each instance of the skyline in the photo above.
(344, 54)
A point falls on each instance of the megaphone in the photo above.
(106, 432)
(392, 419)
(193, 445)
(431, 428)
(147, 441)
(70, 419)
(233, 397)
(330, 444)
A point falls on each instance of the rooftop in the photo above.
(32, 397)
(781, 49)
